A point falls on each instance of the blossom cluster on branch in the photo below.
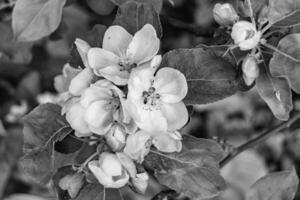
(124, 96)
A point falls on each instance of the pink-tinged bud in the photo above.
(81, 82)
(116, 137)
(109, 171)
(225, 14)
(140, 182)
(72, 183)
(250, 69)
(245, 35)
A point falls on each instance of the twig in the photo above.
(259, 139)
(191, 28)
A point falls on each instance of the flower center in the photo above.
(126, 65)
(113, 104)
(150, 97)
(249, 34)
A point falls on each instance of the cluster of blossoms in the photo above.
(245, 35)
(122, 96)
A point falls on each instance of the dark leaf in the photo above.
(210, 77)
(288, 67)
(34, 19)
(134, 15)
(193, 172)
(275, 186)
(101, 7)
(157, 4)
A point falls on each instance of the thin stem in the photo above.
(259, 139)
(251, 12)
(281, 52)
(83, 165)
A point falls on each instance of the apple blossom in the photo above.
(116, 137)
(168, 142)
(81, 81)
(225, 14)
(72, 183)
(245, 35)
(122, 52)
(140, 182)
(250, 69)
(110, 171)
(155, 101)
(83, 47)
(138, 145)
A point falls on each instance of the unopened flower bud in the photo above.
(245, 35)
(82, 48)
(250, 69)
(82, 81)
(72, 183)
(225, 14)
(116, 137)
(140, 182)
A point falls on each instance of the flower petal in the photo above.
(144, 45)
(116, 39)
(81, 81)
(82, 48)
(103, 178)
(94, 93)
(170, 84)
(115, 75)
(127, 163)
(167, 143)
(176, 115)
(99, 58)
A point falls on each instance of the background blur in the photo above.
(26, 80)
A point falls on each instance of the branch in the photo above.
(259, 139)
(191, 28)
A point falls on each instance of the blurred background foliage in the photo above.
(27, 71)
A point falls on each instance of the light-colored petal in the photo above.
(140, 182)
(116, 39)
(110, 164)
(127, 162)
(170, 84)
(144, 45)
(167, 143)
(115, 75)
(99, 58)
(155, 62)
(98, 115)
(139, 81)
(176, 114)
(81, 81)
(116, 137)
(94, 93)
(82, 48)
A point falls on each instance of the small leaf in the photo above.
(282, 66)
(194, 171)
(276, 92)
(34, 19)
(157, 4)
(210, 77)
(134, 15)
(101, 7)
(284, 13)
(275, 186)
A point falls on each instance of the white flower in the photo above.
(83, 47)
(245, 35)
(140, 182)
(122, 52)
(110, 171)
(72, 183)
(155, 101)
(138, 145)
(81, 82)
(250, 69)
(225, 14)
(101, 102)
(168, 142)
(116, 137)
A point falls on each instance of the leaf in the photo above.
(210, 77)
(276, 186)
(276, 92)
(101, 7)
(134, 15)
(157, 4)
(34, 19)
(193, 172)
(282, 66)
(284, 13)
(43, 127)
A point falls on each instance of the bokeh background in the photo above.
(26, 80)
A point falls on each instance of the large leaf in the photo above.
(276, 92)
(284, 13)
(42, 128)
(210, 77)
(134, 15)
(283, 66)
(192, 172)
(157, 4)
(101, 7)
(275, 186)
(34, 19)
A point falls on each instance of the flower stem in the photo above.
(259, 139)
(83, 165)
(280, 52)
